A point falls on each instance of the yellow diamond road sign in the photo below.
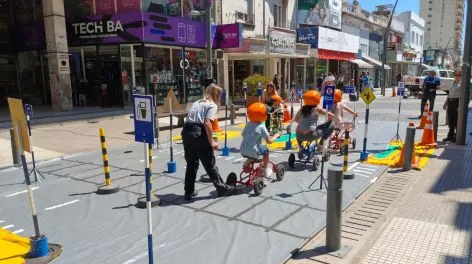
(368, 96)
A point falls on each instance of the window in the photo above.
(278, 16)
(443, 74)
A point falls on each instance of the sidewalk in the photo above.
(410, 217)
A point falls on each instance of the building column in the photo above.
(58, 56)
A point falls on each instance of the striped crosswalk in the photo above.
(365, 170)
(10, 227)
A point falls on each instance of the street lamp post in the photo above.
(384, 57)
(465, 81)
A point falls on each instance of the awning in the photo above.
(362, 64)
(374, 62)
(335, 55)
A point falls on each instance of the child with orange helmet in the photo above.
(253, 134)
(307, 119)
(275, 113)
(338, 111)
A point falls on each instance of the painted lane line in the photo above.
(363, 171)
(179, 152)
(219, 157)
(374, 180)
(8, 226)
(1, 221)
(60, 205)
(371, 166)
(138, 257)
(353, 165)
(229, 158)
(365, 168)
(154, 157)
(18, 231)
(162, 150)
(362, 175)
(25, 191)
(141, 161)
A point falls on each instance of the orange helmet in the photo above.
(277, 99)
(312, 97)
(338, 95)
(257, 112)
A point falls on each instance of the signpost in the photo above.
(225, 150)
(29, 114)
(328, 101)
(259, 91)
(144, 132)
(245, 97)
(38, 242)
(400, 93)
(292, 99)
(368, 97)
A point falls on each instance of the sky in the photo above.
(403, 5)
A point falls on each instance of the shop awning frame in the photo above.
(362, 64)
(374, 62)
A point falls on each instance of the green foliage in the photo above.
(252, 82)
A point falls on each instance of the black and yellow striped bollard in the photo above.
(347, 173)
(155, 201)
(108, 188)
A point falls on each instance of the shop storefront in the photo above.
(275, 56)
(331, 52)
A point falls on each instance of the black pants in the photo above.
(452, 108)
(428, 97)
(197, 148)
(267, 122)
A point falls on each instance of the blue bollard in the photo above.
(364, 155)
(171, 167)
(39, 247)
(225, 152)
(288, 145)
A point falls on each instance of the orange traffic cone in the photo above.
(394, 92)
(428, 132)
(424, 117)
(215, 127)
(286, 114)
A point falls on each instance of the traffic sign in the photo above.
(401, 88)
(328, 96)
(245, 87)
(29, 110)
(368, 96)
(143, 119)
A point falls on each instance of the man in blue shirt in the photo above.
(430, 85)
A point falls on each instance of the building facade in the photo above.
(443, 31)
(413, 41)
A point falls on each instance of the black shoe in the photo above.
(225, 190)
(189, 196)
(447, 139)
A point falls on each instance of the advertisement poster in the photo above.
(226, 36)
(320, 12)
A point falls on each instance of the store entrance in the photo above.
(111, 84)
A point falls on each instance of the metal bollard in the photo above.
(409, 147)
(232, 113)
(334, 208)
(435, 125)
(14, 148)
(347, 173)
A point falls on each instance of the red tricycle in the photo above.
(251, 175)
(336, 140)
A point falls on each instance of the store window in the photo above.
(32, 77)
(132, 76)
(321, 67)
(192, 69)
(8, 79)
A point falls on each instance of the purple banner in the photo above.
(226, 36)
(137, 27)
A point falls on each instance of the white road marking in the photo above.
(353, 165)
(179, 152)
(358, 174)
(229, 158)
(8, 226)
(162, 150)
(141, 161)
(1, 221)
(374, 180)
(365, 168)
(371, 166)
(219, 157)
(363, 171)
(138, 257)
(274, 155)
(25, 191)
(18, 231)
(60, 205)
(154, 157)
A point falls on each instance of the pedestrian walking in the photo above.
(199, 145)
(319, 82)
(330, 77)
(452, 105)
(366, 80)
(266, 96)
(361, 82)
(276, 82)
(430, 85)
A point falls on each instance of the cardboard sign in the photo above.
(18, 118)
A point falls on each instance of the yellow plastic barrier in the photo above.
(13, 248)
